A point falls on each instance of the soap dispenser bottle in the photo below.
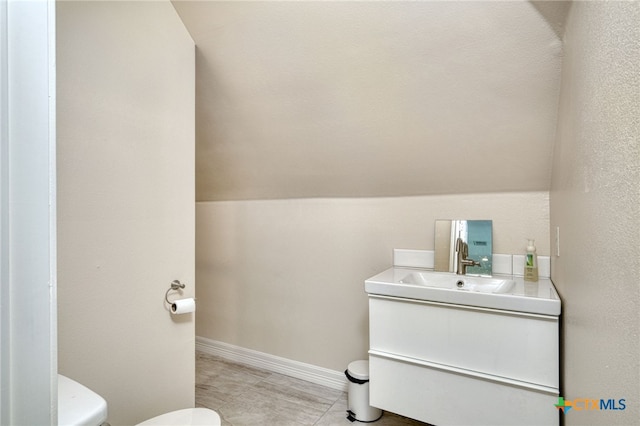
(531, 263)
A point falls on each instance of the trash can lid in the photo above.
(359, 369)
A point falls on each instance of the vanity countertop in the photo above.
(538, 297)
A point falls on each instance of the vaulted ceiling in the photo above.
(381, 98)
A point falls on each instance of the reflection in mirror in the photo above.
(476, 234)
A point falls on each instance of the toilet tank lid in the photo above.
(79, 405)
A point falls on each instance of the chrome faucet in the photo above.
(462, 251)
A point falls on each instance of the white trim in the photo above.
(28, 355)
(5, 350)
(300, 370)
(53, 207)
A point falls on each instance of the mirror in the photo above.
(476, 234)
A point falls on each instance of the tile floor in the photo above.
(247, 396)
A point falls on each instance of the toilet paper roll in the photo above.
(183, 306)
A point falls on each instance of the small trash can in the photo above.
(358, 393)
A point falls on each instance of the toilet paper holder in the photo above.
(175, 285)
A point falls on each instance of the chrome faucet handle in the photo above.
(462, 249)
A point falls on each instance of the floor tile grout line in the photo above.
(272, 379)
(328, 410)
(285, 397)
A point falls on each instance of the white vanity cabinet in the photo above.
(450, 364)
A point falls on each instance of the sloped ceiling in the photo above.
(383, 98)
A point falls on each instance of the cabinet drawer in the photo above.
(441, 397)
(501, 343)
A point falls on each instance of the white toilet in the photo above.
(188, 416)
(80, 406)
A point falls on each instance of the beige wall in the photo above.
(300, 99)
(595, 200)
(286, 277)
(126, 203)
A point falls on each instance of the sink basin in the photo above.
(458, 282)
(510, 293)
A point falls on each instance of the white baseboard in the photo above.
(311, 373)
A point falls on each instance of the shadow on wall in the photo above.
(554, 12)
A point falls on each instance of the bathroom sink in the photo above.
(457, 282)
(498, 292)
